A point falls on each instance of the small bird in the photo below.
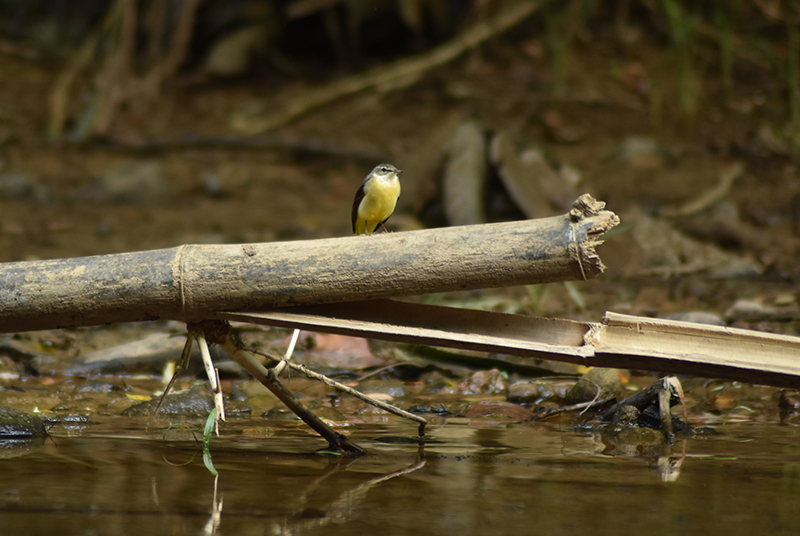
(375, 199)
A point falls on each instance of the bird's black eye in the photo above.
(384, 169)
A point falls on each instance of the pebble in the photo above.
(197, 401)
(585, 389)
(485, 382)
(524, 393)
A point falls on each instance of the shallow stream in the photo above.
(114, 475)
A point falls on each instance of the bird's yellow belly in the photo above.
(378, 204)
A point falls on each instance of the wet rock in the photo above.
(135, 183)
(16, 424)
(524, 393)
(99, 387)
(485, 382)
(22, 358)
(604, 380)
(698, 317)
(439, 410)
(626, 416)
(198, 401)
(65, 419)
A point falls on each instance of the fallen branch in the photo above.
(400, 73)
(707, 198)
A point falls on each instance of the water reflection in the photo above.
(472, 478)
(215, 518)
(11, 448)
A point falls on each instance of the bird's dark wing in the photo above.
(359, 196)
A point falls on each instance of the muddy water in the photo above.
(118, 476)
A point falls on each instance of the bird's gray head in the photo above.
(385, 170)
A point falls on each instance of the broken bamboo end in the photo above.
(587, 209)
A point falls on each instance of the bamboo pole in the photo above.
(191, 282)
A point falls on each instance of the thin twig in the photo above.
(288, 355)
(352, 392)
(180, 367)
(213, 380)
(387, 367)
(220, 333)
(584, 406)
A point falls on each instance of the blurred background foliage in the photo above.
(116, 55)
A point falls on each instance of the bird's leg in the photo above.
(384, 228)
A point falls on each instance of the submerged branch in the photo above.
(353, 392)
(220, 333)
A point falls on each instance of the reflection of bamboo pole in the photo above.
(190, 283)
